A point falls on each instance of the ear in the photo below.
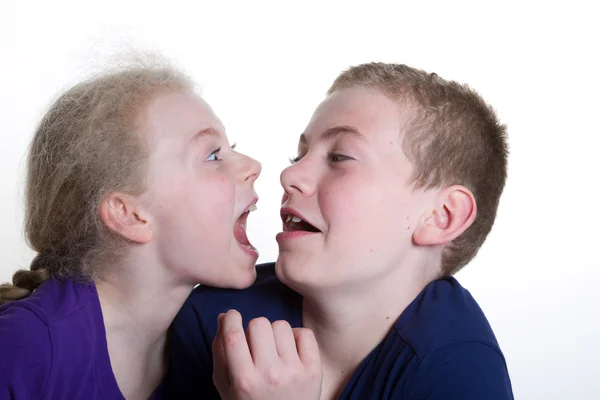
(454, 212)
(123, 215)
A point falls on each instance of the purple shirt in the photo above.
(53, 346)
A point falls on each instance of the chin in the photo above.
(295, 274)
(242, 278)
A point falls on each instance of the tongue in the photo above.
(239, 230)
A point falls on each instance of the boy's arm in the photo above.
(191, 364)
(466, 371)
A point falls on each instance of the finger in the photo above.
(285, 341)
(237, 353)
(220, 370)
(262, 342)
(308, 349)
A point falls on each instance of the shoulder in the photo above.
(442, 314)
(456, 351)
(56, 300)
(267, 297)
(26, 349)
(20, 323)
(467, 370)
(49, 318)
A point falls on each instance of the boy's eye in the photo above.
(214, 155)
(333, 157)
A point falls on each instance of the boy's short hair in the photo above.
(452, 137)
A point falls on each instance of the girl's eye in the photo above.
(294, 160)
(214, 155)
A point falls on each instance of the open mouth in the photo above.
(292, 222)
(239, 230)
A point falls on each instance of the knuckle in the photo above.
(314, 374)
(306, 332)
(312, 371)
(258, 323)
(244, 385)
(281, 325)
(274, 378)
(233, 338)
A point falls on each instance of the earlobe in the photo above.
(453, 214)
(120, 213)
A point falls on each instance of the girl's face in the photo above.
(200, 191)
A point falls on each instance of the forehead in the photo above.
(372, 113)
(179, 113)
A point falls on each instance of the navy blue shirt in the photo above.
(441, 347)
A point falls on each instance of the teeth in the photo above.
(291, 218)
(252, 207)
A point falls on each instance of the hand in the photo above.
(273, 361)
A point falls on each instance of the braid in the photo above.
(24, 282)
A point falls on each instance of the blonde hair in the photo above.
(89, 144)
(453, 137)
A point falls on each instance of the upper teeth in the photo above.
(252, 208)
(293, 218)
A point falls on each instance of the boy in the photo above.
(394, 189)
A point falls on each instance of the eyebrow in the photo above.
(204, 132)
(336, 131)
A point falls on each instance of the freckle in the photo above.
(391, 142)
(371, 250)
(387, 317)
(408, 228)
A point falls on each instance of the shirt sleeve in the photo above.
(26, 354)
(191, 365)
(466, 371)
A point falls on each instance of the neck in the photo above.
(139, 302)
(349, 324)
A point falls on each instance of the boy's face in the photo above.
(350, 185)
(199, 190)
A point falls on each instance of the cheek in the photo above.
(205, 201)
(218, 197)
(366, 213)
(351, 207)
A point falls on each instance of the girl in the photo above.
(133, 197)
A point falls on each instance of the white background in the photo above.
(265, 66)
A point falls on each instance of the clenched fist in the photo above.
(269, 361)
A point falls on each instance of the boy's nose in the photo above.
(297, 179)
